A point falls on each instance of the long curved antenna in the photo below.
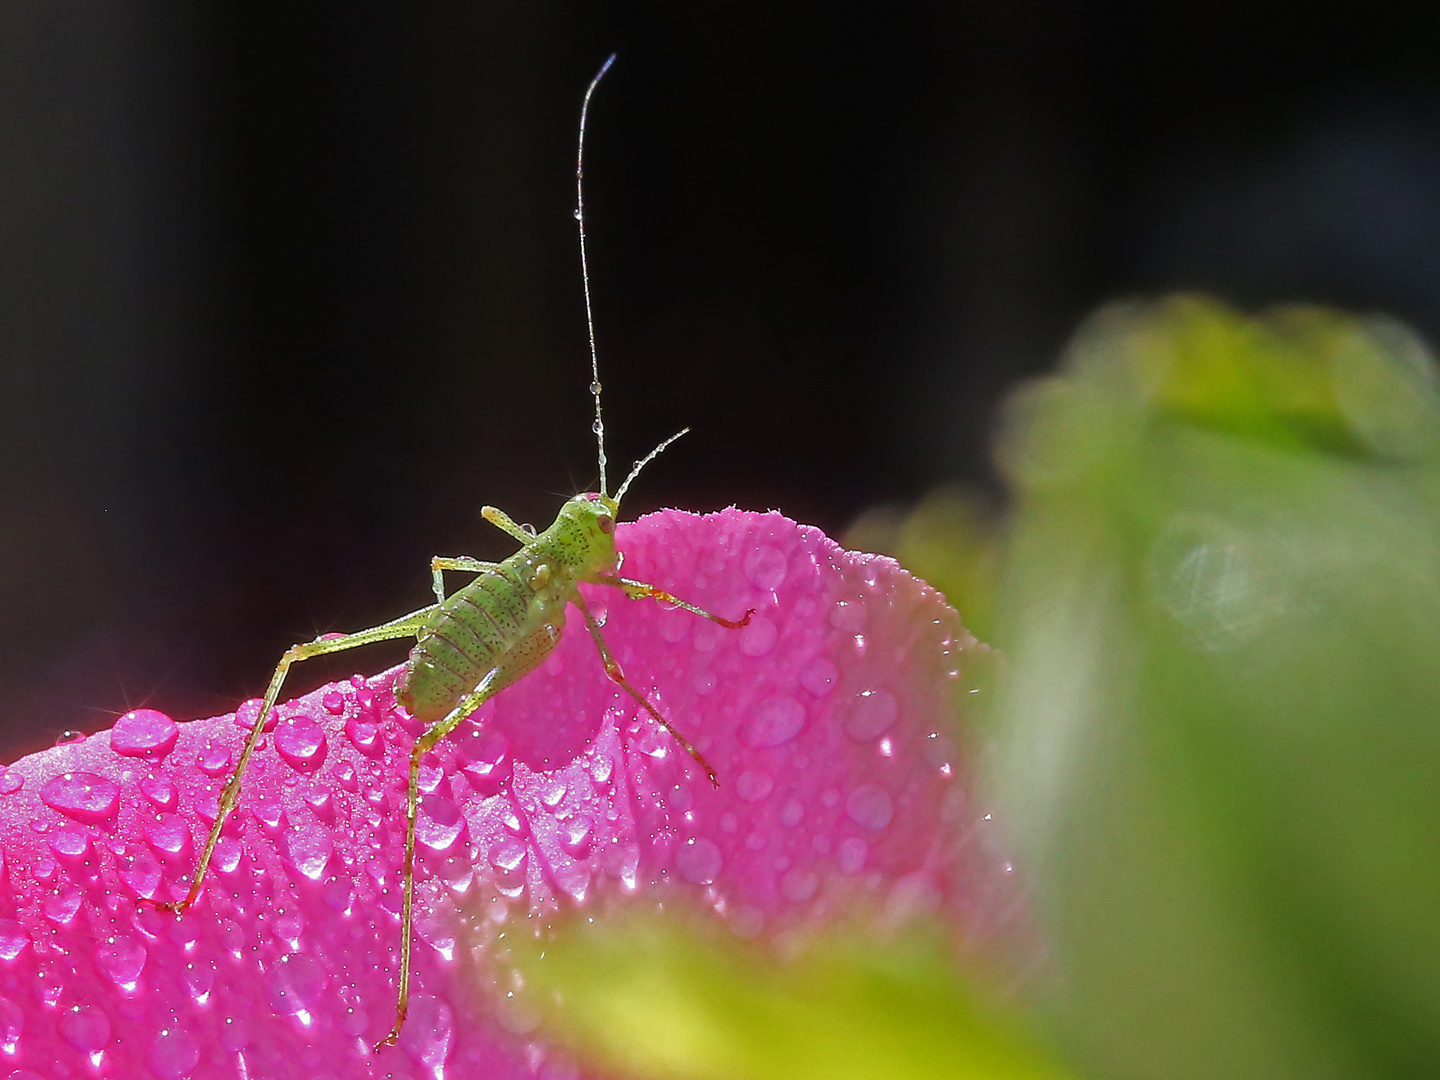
(651, 456)
(585, 268)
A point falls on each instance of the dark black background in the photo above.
(287, 291)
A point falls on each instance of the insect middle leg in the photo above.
(405, 626)
(612, 668)
(439, 564)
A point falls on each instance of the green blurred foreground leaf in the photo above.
(659, 997)
(1221, 724)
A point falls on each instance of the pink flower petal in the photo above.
(827, 719)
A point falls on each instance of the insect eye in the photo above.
(606, 523)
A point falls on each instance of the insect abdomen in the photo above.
(469, 635)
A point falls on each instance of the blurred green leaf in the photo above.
(1221, 724)
(651, 996)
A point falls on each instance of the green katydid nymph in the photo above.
(473, 643)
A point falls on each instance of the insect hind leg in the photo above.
(612, 669)
(405, 626)
(490, 685)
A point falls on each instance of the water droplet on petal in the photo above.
(575, 835)
(849, 615)
(70, 843)
(552, 792)
(140, 872)
(10, 781)
(197, 979)
(765, 567)
(308, 849)
(753, 785)
(792, 813)
(507, 855)
(62, 906)
(334, 702)
(870, 807)
(699, 861)
(120, 959)
(144, 732)
(429, 1033)
(213, 760)
(759, 637)
(12, 1025)
(168, 835)
(438, 823)
(774, 721)
(86, 1028)
(301, 741)
(159, 791)
(173, 1055)
(69, 738)
(235, 1034)
(851, 854)
(294, 983)
(365, 735)
(799, 885)
(872, 713)
(84, 796)
(819, 676)
(13, 939)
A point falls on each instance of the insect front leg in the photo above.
(612, 668)
(637, 590)
(439, 564)
(406, 626)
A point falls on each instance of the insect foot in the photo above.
(828, 718)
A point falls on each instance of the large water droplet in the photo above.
(799, 885)
(334, 702)
(819, 676)
(159, 791)
(872, 713)
(485, 760)
(792, 813)
(438, 823)
(197, 979)
(12, 1025)
(247, 712)
(765, 567)
(301, 741)
(849, 615)
(365, 735)
(120, 959)
(308, 848)
(70, 843)
(235, 1034)
(294, 983)
(61, 907)
(213, 760)
(84, 796)
(759, 637)
(86, 1028)
(144, 732)
(141, 873)
(10, 781)
(552, 791)
(575, 835)
(13, 939)
(851, 854)
(870, 807)
(699, 861)
(168, 835)
(429, 1034)
(507, 855)
(774, 721)
(174, 1054)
